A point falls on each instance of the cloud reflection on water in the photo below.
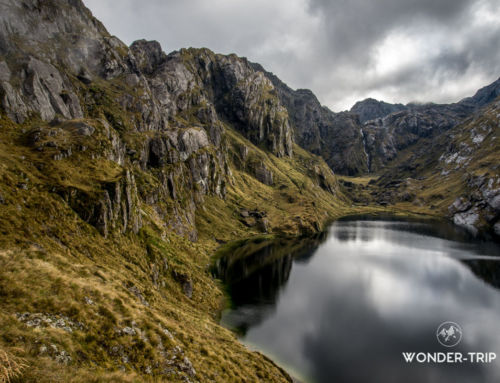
(371, 291)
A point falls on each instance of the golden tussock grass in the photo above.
(10, 366)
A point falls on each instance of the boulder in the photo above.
(262, 173)
(467, 219)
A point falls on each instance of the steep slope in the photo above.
(454, 174)
(393, 127)
(122, 169)
(386, 137)
(337, 137)
(483, 96)
(369, 137)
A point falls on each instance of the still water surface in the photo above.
(344, 306)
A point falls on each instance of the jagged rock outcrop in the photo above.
(262, 173)
(472, 153)
(479, 206)
(386, 137)
(324, 179)
(390, 128)
(118, 207)
(115, 209)
(196, 83)
(43, 91)
(455, 169)
(148, 54)
(148, 111)
(337, 137)
(34, 54)
(370, 109)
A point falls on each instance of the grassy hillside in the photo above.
(79, 306)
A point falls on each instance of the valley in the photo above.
(125, 169)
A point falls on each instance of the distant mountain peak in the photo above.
(485, 95)
(370, 109)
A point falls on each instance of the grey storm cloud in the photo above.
(343, 50)
(354, 27)
(477, 52)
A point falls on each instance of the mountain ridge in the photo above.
(371, 109)
(366, 140)
(124, 169)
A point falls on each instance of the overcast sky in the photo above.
(343, 50)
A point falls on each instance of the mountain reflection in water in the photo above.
(344, 305)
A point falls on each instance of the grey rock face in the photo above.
(467, 219)
(370, 109)
(190, 141)
(262, 173)
(10, 97)
(13, 103)
(337, 137)
(386, 137)
(116, 209)
(459, 205)
(54, 34)
(324, 178)
(148, 54)
(255, 110)
(214, 87)
(47, 93)
(4, 71)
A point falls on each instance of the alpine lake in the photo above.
(348, 304)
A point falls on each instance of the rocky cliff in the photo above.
(373, 133)
(386, 137)
(337, 137)
(161, 113)
(389, 128)
(453, 173)
(401, 145)
(122, 169)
